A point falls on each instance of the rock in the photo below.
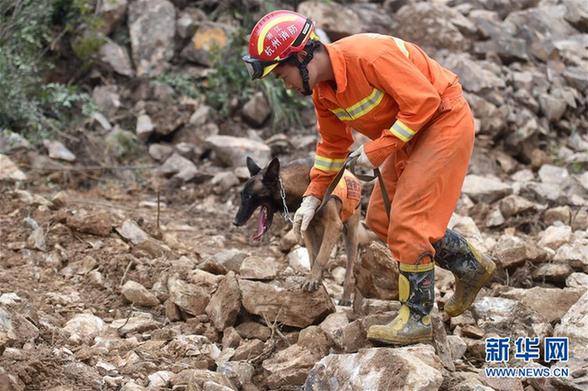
(132, 232)
(543, 192)
(188, 21)
(132, 386)
(208, 37)
(550, 303)
(212, 386)
(59, 151)
(505, 317)
(475, 76)
(138, 294)
(160, 152)
(553, 272)
(507, 48)
(111, 13)
(179, 167)
(376, 273)
(457, 346)
(191, 298)
(138, 322)
(201, 116)
(576, 77)
(84, 326)
(286, 302)
(553, 107)
(197, 347)
(98, 223)
(152, 26)
(225, 304)
(159, 379)
(439, 26)
(291, 365)
(333, 326)
(484, 189)
(250, 330)
(555, 236)
(231, 338)
(106, 99)
(11, 142)
(256, 110)
(494, 218)
(224, 182)
(197, 378)
(144, 128)
(189, 151)
(580, 220)
(577, 14)
(335, 19)
(513, 251)
(299, 260)
(239, 373)
(36, 239)
(576, 255)
(116, 58)
(9, 170)
(552, 174)
(559, 213)
(412, 368)
(230, 259)
(573, 325)
(248, 350)
(259, 268)
(232, 151)
(577, 280)
(513, 205)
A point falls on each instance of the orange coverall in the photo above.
(421, 130)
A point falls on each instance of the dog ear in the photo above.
(272, 171)
(253, 168)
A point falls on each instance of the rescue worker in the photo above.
(422, 135)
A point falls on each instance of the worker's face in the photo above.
(289, 73)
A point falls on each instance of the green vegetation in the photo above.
(29, 29)
(229, 83)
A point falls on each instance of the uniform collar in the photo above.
(339, 71)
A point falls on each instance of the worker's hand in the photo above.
(304, 214)
(358, 158)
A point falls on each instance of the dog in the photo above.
(273, 190)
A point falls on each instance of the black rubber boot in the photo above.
(471, 270)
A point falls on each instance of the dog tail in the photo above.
(366, 235)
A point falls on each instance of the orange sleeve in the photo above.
(417, 98)
(331, 150)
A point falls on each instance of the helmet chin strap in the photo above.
(302, 66)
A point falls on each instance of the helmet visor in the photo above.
(258, 69)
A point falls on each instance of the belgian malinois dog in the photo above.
(273, 190)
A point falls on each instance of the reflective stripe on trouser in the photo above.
(424, 181)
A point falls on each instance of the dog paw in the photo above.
(311, 284)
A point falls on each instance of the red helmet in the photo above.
(277, 36)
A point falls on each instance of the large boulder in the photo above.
(378, 369)
(485, 189)
(152, 26)
(335, 19)
(433, 25)
(286, 302)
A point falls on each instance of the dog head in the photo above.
(262, 191)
